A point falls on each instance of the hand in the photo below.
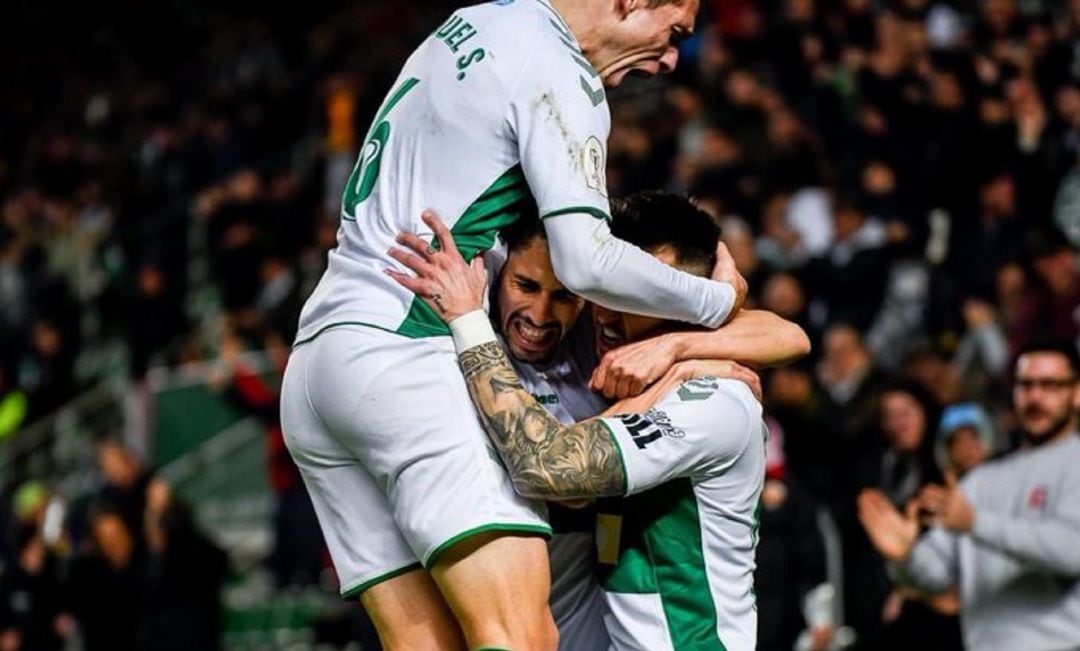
(627, 370)
(947, 505)
(892, 533)
(726, 272)
(681, 372)
(893, 607)
(448, 284)
(977, 313)
(821, 638)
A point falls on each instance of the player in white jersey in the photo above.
(691, 456)
(554, 354)
(501, 107)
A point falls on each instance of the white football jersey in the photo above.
(677, 555)
(496, 114)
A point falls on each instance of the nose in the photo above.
(669, 60)
(540, 311)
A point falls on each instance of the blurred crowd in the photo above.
(122, 568)
(900, 177)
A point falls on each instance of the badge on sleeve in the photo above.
(594, 164)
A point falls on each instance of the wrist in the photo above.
(677, 344)
(471, 329)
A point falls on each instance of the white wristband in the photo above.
(472, 329)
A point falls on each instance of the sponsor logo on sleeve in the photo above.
(650, 427)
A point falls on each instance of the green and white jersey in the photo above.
(677, 555)
(496, 113)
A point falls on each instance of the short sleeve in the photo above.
(559, 116)
(698, 429)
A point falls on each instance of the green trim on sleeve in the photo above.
(338, 324)
(588, 210)
(535, 529)
(622, 459)
(348, 592)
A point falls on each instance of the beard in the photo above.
(1056, 427)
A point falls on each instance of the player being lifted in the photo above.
(502, 106)
(679, 552)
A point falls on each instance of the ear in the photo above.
(626, 7)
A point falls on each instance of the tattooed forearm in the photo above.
(481, 358)
(546, 459)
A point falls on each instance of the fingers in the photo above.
(446, 239)
(414, 242)
(599, 380)
(723, 255)
(911, 510)
(415, 263)
(415, 285)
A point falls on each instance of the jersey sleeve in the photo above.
(560, 119)
(700, 428)
(559, 116)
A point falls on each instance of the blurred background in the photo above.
(900, 177)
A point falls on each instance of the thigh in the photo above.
(357, 522)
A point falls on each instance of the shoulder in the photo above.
(713, 406)
(540, 52)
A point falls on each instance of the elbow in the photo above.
(799, 341)
(794, 343)
(540, 485)
(531, 488)
(580, 280)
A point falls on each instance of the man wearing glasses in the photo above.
(1008, 536)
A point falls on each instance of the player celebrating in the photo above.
(501, 107)
(553, 352)
(680, 550)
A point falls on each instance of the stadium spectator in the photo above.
(125, 484)
(106, 584)
(966, 438)
(298, 553)
(1050, 308)
(184, 575)
(790, 555)
(1008, 536)
(33, 605)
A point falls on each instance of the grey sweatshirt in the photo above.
(1018, 569)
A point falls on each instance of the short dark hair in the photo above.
(523, 230)
(651, 220)
(1064, 348)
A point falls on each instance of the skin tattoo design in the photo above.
(547, 458)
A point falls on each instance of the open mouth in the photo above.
(532, 338)
(608, 337)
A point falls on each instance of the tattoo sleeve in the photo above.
(546, 459)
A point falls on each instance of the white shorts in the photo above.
(393, 454)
